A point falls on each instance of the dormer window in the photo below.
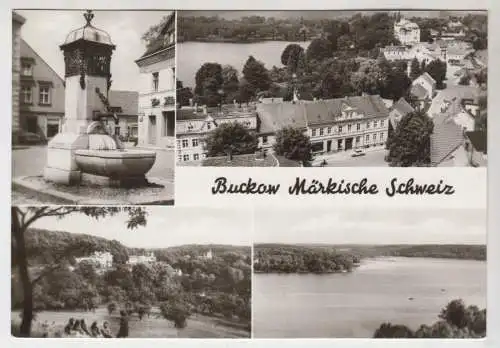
(27, 69)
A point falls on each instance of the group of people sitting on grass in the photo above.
(79, 328)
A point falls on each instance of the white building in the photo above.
(194, 124)
(157, 89)
(406, 32)
(208, 255)
(99, 259)
(137, 259)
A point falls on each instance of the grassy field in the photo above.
(198, 326)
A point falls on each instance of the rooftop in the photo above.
(445, 139)
(127, 100)
(88, 33)
(158, 44)
(403, 107)
(419, 91)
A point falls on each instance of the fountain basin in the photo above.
(115, 164)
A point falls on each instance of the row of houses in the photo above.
(146, 115)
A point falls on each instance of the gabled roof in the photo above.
(157, 44)
(478, 140)
(445, 139)
(428, 78)
(127, 100)
(403, 107)
(419, 91)
(275, 116)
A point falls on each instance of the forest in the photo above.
(282, 258)
(181, 282)
(456, 320)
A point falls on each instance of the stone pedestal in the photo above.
(61, 167)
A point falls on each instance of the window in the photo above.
(44, 95)
(374, 137)
(179, 158)
(52, 127)
(26, 69)
(117, 130)
(156, 81)
(367, 137)
(375, 124)
(367, 124)
(196, 157)
(185, 143)
(185, 158)
(381, 136)
(27, 98)
(264, 139)
(321, 131)
(358, 139)
(349, 128)
(381, 123)
(340, 129)
(329, 130)
(195, 142)
(178, 143)
(358, 126)
(314, 132)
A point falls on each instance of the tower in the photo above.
(87, 59)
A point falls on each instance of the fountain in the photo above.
(85, 150)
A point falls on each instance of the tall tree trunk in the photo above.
(22, 264)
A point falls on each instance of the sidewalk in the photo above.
(343, 155)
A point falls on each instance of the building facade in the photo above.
(194, 124)
(138, 259)
(41, 95)
(406, 32)
(17, 23)
(127, 103)
(100, 259)
(156, 122)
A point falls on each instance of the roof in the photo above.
(445, 139)
(16, 17)
(183, 114)
(419, 91)
(428, 78)
(127, 100)
(158, 43)
(403, 107)
(88, 33)
(478, 140)
(249, 160)
(276, 116)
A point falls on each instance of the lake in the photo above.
(353, 305)
(192, 55)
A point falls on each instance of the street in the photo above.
(374, 158)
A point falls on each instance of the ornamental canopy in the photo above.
(88, 33)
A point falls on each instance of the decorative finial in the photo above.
(88, 17)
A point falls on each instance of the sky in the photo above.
(166, 226)
(45, 30)
(371, 226)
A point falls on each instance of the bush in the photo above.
(176, 311)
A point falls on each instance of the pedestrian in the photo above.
(105, 331)
(69, 326)
(94, 330)
(123, 331)
(85, 330)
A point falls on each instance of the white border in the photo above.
(493, 339)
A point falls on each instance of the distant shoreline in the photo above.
(238, 41)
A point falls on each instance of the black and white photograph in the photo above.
(369, 273)
(93, 107)
(138, 272)
(392, 88)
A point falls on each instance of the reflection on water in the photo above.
(192, 55)
(355, 304)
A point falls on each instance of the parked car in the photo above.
(358, 152)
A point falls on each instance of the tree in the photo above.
(410, 144)
(482, 77)
(437, 69)
(455, 313)
(388, 330)
(319, 49)
(184, 94)
(112, 307)
(209, 81)
(425, 35)
(291, 56)
(230, 83)
(230, 138)
(464, 80)
(151, 35)
(293, 144)
(176, 310)
(256, 75)
(415, 69)
(22, 218)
